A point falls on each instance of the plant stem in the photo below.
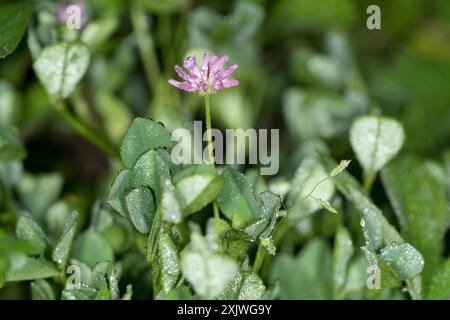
(315, 187)
(210, 144)
(145, 45)
(85, 131)
(153, 237)
(258, 259)
(368, 182)
(208, 128)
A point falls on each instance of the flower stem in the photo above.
(210, 144)
(368, 181)
(85, 131)
(145, 45)
(208, 128)
(259, 259)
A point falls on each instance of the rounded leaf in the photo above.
(375, 141)
(61, 66)
(141, 207)
(142, 136)
(404, 259)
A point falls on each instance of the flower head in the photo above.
(209, 79)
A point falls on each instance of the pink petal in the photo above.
(206, 66)
(219, 63)
(223, 75)
(191, 64)
(213, 59)
(225, 84)
(218, 86)
(186, 86)
(230, 83)
(182, 74)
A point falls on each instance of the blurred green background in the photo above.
(307, 67)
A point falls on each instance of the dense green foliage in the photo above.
(93, 207)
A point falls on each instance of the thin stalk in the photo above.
(152, 241)
(210, 144)
(258, 259)
(369, 179)
(208, 128)
(81, 108)
(315, 187)
(145, 45)
(85, 131)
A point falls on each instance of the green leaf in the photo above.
(318, 69)
(221, 235)
(388, 277)
(356, 282)
(30, 231)
(201, 270)
(141, 207)
(128, 293)
(61, 66)
(313, 114)
(14, 17)
(41, 290)
(197, 186)
(119, 189)
(170, 205)
(148, 171)
(439, 288)
(420, 204)
(79, 294)
(200, 265)
(10, 172)
(271, 205)
(375, 141)
(105, 280)
(10, 145)
(63, 246)
(56, 217)
(404, 259)
(343, 251)
(91, 248)
(312, 278)
(9, 104)
(24, 268)
(143, 135)
(372, 225)
(236, 199)
(170, 264)
(115, 114)
(280, 186)
(376, 228)
(179, 293)
(117, 230)
(97, 32)
(245, 286)
(38, 192)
